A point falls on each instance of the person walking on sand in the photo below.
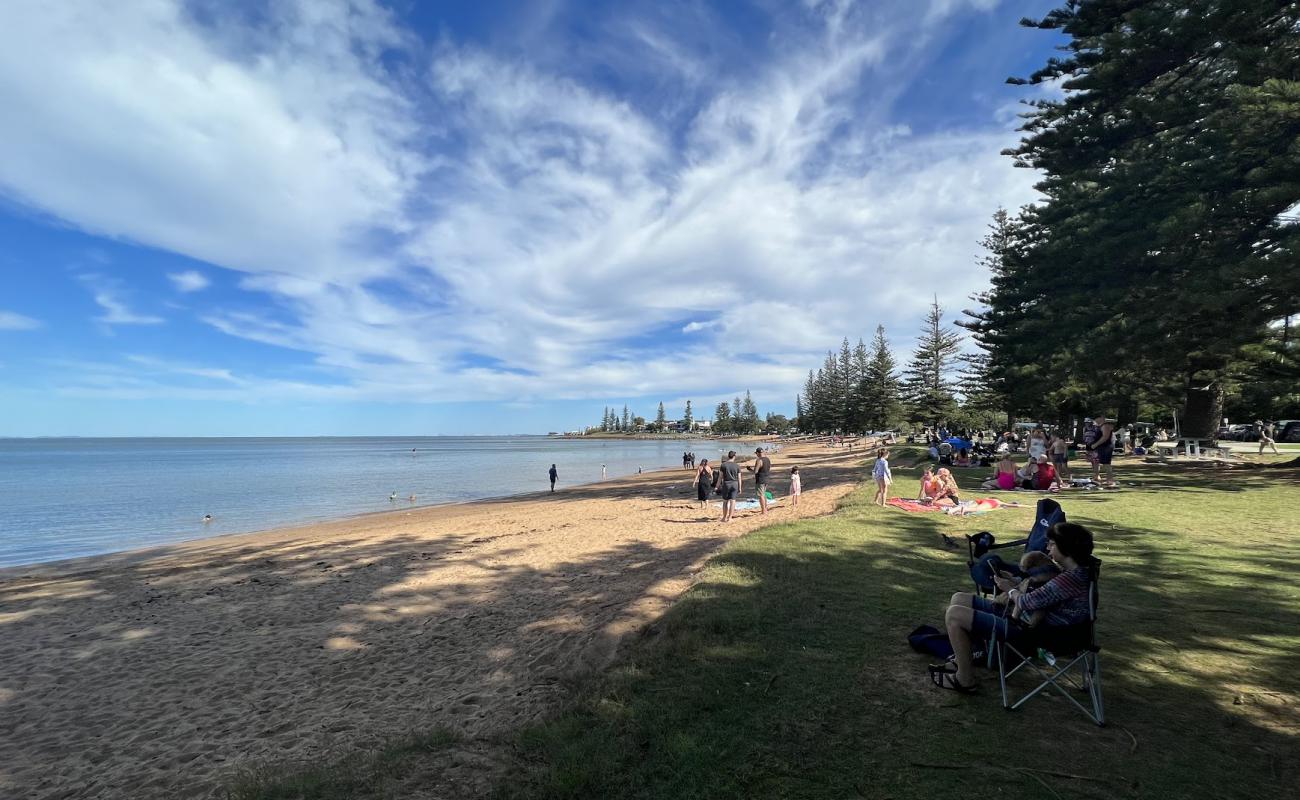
(554, 475)
(732, 483)
(703, 483)
(761, 468)
(882, 475)
(796, 487)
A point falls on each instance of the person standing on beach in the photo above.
(703, 483)
(554, 474)
(796, 487)
(603, 474)
(732, 483)
(761, 468)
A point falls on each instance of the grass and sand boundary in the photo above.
(780, 672)
(783, 672)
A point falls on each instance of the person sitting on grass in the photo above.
(1046, 476)
(963, 458)
(1026, 476)
(1005, 476)
(1063, 601)
(947, 487)
(930, 487)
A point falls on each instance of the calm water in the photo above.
(61, 498)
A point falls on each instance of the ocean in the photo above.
(64, 498)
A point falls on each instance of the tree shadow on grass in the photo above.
(785, 673)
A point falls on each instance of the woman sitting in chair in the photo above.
(1063, 599)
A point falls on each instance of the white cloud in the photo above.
(188, 281)
(491, 228)
(11, 321)
(260, 150)
(111, 297)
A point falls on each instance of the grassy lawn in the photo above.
(785, 673)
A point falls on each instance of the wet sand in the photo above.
(162, 673)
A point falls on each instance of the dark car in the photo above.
(1290, 432)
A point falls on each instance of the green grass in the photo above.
(784, 672)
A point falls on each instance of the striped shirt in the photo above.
(1064, 598)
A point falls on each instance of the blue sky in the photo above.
(334, 217)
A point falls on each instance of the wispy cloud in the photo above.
(480, 224)
(188, 281)
(11, 321)
(111, 297)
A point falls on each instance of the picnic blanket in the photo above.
(983, 505)
(966, 508)
(912, 505)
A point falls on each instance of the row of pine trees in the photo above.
(862, 389)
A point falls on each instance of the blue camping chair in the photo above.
(982, 559)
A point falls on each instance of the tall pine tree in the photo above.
(929, 387)
(880, 400)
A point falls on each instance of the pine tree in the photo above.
(749, 414)
(722, 418)
(859, 419)
(847, 387)
(626, 419)
(880, 401)
(1169, 170)
(688, 419)
(604, 420)
(928, 385)
(661, 421)
(798, 409)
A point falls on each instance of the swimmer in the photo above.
(411, 498)
(207, 517)
(392, 497)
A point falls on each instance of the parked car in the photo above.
(1242, 433)
(1287, 430)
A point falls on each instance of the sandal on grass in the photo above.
(947, 679)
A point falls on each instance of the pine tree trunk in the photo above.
(1128, 411)
(1203, 410)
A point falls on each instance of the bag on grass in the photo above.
(931, 641)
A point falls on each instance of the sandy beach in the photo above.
(163, 673)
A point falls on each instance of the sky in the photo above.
(348, 217)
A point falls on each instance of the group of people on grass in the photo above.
(728, 481)
(1046, 464)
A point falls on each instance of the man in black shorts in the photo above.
(731, 485)
(761, 468)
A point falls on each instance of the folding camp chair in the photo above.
(1063, 649)
(980, 546)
